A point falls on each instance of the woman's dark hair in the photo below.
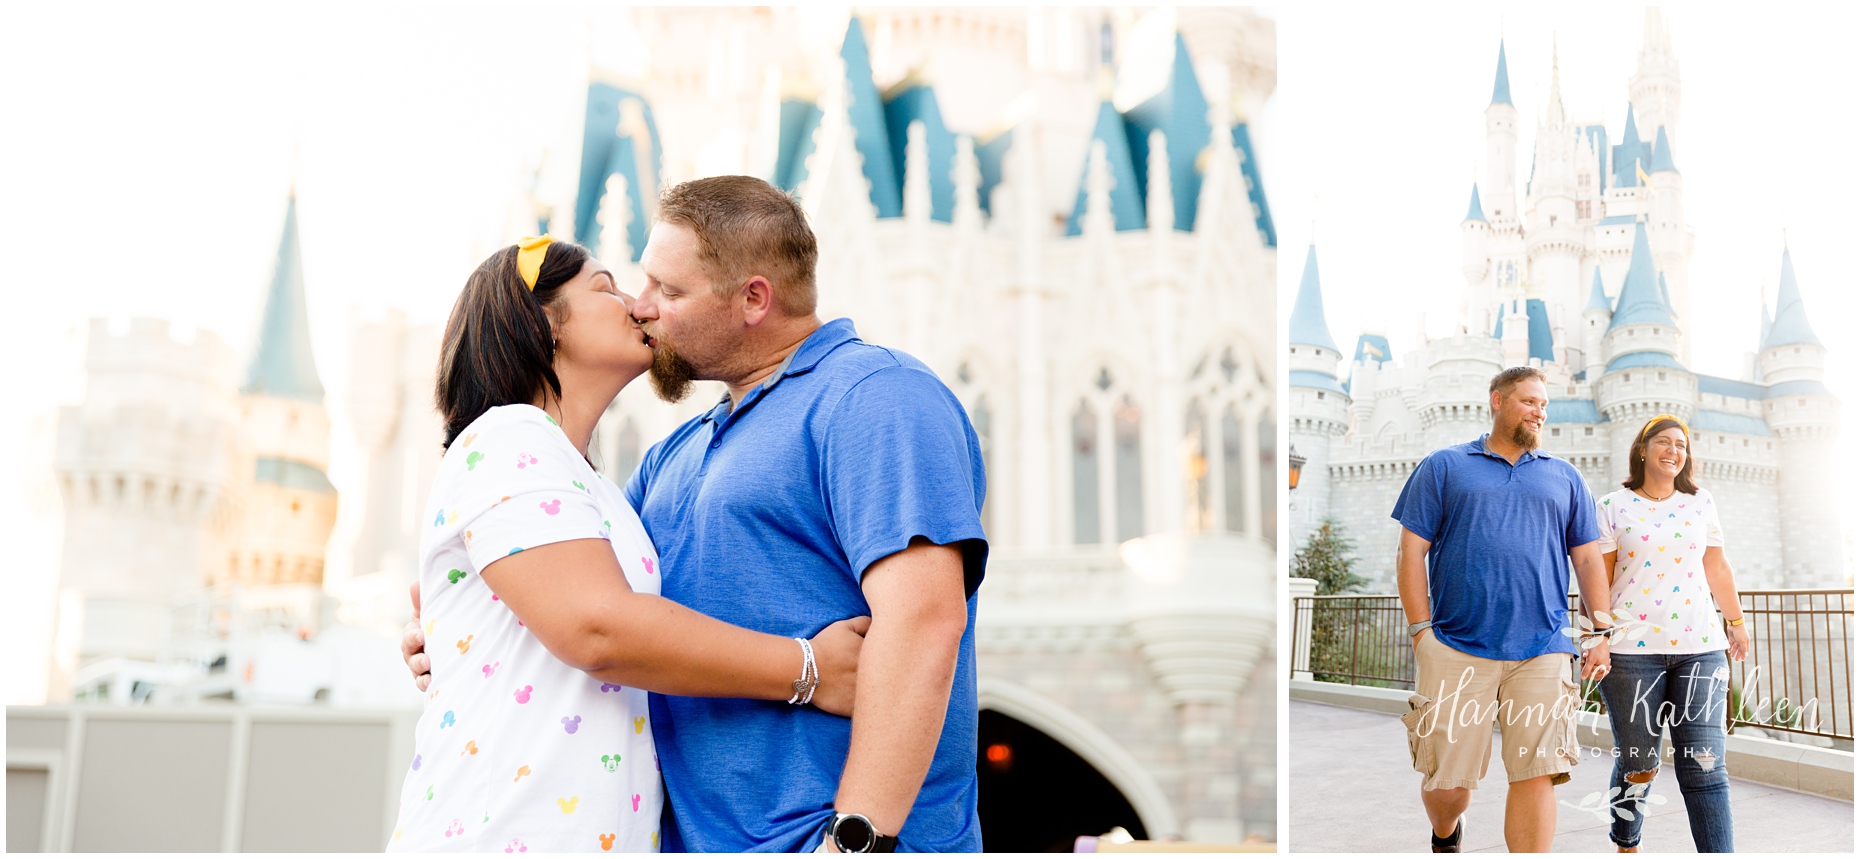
(1637, 458)
(499, 348)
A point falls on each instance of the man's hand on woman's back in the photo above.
(413, 645)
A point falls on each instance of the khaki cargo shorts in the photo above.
(1457, 698)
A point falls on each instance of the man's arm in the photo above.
(1592, 583)
(919, 614)
(1411, 578)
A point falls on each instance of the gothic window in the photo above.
(1129, 464)
(1232, 477)
(1268, 480)
(1085, 475)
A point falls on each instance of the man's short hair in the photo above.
(747, 227)
(1510, 378)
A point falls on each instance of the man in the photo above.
(835, 479)
(1488, 531)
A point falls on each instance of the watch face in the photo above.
(853, 834)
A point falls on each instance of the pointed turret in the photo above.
(282, 362)
(1126, 193)
(1662, 154)
(1791, 325)
(1630, 153)
(1308, 326)
(1640, 302)
(1180, 111)
(866, 114)
(1501, 85)
(1598, 297)
(1765, 324)
(1473, 211)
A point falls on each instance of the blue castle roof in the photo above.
(1373, 347)
(1538, 320)
(1501, 85)
(1662, 154)
(1321, 381)
(1644, 359)
(867, 114)
(1255, 189)
(1127, 204)
(799, 119)
(1572, 412)
(1714, 421)
(1598, 297)
(1181, 112)
(1632, 151)
(1731, 388)
(988, 158)
(918, 103)
(1791, 325)
(1308, 327)
(606, 149)
(1598, 138)
(1640, 302)
(1474, 212)
(283, 364)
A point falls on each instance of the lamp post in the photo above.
(1297, 463)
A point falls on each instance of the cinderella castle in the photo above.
(1587, 276)
(1058, 210)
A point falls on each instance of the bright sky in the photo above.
(1383, 111)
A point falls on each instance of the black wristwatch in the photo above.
(853, 833)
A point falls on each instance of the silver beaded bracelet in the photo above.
(810, 675)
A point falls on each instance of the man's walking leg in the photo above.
(1444, 808)
(1530, 815)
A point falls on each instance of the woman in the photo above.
(1665, 556)
(540, 586)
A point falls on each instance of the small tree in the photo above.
(1327, 558)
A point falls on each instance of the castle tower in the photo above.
(1318, 405)
(1643, 376)
(1805, 416)
(1501, 147)
(147, 468)
(291, 505)
(1554, 241)
(1654, 88)
(1475, 258)
(1671, 238)
(1595, 318)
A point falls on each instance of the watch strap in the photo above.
(1415, 629)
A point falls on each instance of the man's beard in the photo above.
(671, 373)
(1521, 434)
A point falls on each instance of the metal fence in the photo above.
(1796, 679)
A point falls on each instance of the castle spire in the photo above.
(1598, 297)
(1501, 85)
(1308, 327)
(1473, 211)
(282, 362)
(1791, 325)
(1555, 114)
(1641, 302)
(1662, 154)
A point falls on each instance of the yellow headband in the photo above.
(530, 253)
(1658, 418)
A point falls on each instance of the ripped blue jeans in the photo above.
(1683, 693)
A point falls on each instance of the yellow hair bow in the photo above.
(1658, 418)
(530, 253)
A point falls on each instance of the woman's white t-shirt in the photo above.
(516, 751)
(1659, 574)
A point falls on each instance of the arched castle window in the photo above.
(1227, 446)
(1107, 464)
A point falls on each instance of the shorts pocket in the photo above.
(1564, 732)
(1420, 724)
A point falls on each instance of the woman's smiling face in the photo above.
(596, 330)
(1666, 453)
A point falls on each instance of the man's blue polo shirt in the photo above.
(767, 516)
(1498, 569)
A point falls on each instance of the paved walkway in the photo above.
(1353, 790)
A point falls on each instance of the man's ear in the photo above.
(758, 300)
(1498, 399)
